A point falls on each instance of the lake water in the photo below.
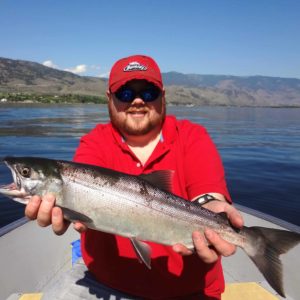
(260, 148)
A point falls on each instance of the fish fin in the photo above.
(266, 244)
(162, 179)
(72, 215)
(142, 251)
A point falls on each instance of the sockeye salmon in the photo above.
(140, 208)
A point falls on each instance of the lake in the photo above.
(260, 148)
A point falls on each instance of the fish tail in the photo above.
(264, 248)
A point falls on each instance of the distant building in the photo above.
(3, 100)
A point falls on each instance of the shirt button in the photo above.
(138, 165)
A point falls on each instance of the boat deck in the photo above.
(243, 276)
(33, 257)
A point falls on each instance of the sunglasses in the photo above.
(127, 94)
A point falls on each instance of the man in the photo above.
(141, 139)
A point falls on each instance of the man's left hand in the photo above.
(216, 246)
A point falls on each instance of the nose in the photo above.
(137, 100)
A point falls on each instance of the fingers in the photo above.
(32, 207)
(79, 227)
(44, 214)
(59, 225)
(234, 216)
(232, 213)
(205, 253)
(182, 250)
(208, 255)
(220, 246)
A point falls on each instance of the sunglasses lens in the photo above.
(125, 95)
(150, 95)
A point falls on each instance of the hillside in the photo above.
(17, 76)
(233, 90)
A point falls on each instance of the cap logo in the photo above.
(135, 66)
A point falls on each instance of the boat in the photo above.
(33, 258)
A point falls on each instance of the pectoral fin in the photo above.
(72, 215)
(143, 251)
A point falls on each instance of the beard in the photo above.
(129, 125)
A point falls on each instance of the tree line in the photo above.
(47, 98)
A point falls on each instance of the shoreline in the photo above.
(33, 102)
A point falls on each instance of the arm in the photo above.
(204, 174)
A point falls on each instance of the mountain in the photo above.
(18, 76)
(228, 81)
(233, 90)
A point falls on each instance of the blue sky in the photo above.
(257, 37)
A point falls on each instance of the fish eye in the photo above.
(25, 172)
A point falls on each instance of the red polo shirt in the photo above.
(187, 149)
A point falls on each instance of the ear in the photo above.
(108, 94)
(163, 96)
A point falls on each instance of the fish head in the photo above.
(31, 176)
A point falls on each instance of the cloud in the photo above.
(78, 69)
(50, 64)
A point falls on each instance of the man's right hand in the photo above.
(45, 212)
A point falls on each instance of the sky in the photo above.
(229, 37)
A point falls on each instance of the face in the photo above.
(137, 117)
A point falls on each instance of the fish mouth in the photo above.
(14, 192)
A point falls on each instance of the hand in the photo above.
(218, 246)
(45, 212)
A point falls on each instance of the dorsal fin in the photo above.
(162, 179)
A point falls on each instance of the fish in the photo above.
(141, 208)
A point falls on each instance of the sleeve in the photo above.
(89, 150)
(203, 167)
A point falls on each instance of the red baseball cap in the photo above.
(134, 67)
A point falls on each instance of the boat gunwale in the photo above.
(12, 226)
(272, 219)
